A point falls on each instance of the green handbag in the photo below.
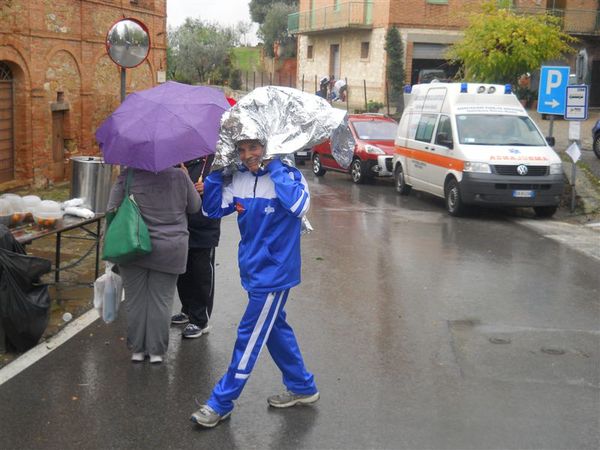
(126, 236)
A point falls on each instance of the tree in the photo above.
(274, 30)
(395, 62)
(243, 28)
(260, 8)
(499, 45)
(200, 52)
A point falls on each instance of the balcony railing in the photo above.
(573, 21)
(342, 16)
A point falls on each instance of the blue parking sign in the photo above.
(552, 89)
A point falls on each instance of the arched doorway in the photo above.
(7, 142)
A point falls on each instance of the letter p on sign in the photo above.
(554, 80)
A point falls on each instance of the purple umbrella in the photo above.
(163, 126)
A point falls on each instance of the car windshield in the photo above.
(494, 129)
(375, 130)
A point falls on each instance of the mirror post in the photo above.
(123, 84)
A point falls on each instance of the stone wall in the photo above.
(56, 52)
(358, 71)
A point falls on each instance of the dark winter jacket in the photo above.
(204, 232)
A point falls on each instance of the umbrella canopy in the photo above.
(163, 126)
(285, 120)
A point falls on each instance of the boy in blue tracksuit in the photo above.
(270, 199)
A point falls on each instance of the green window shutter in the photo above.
(437, 2)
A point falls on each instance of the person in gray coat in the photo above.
(164, 199)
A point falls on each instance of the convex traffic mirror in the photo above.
(128, 43)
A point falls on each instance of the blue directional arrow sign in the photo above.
(552, 89)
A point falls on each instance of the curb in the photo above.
(43, 348)
(583, 239)
(587, 189)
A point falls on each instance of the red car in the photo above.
(374, 135)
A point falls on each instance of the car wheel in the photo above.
(545, 211)
(400, 182)
(596, 145)
(317, 168)
(454, 203)
(357, 172)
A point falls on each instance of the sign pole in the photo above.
(573, 175)
(123, 84)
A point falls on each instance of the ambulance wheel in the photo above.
(400, 182)
(317, 168)
(596, 145)
(454, 203)
(358, 171)
(545, 211)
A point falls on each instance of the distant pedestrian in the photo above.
(339, 90)
(323, 85)
(331, 84)
(196, 287)
(164, 199)
(270, 198)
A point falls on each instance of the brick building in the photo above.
(347, 38)
(57, 83)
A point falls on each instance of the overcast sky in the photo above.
(224, 12)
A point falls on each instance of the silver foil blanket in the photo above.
(285, 120)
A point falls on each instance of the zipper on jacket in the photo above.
(255, 182)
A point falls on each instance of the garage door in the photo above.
(429, 51)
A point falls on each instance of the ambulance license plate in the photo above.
(523, 194)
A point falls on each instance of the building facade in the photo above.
(57, 83)
(347, 38)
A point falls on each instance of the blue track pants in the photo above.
(263, 322)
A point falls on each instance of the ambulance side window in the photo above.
(412, 121)
(443, 136)
(425, 128)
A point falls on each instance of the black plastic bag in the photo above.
(24, 302)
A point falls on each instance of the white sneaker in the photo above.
(208, 417)
(156, 359)
(138, 357)
(288, 399)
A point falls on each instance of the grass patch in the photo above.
(247, 59)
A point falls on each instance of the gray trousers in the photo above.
(148, 302)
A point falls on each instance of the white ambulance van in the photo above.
(474, 144)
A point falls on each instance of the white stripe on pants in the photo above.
(264, 322)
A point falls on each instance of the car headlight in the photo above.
(373, 150)
(556, 169)
(478, 167)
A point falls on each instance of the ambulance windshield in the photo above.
(496, 129)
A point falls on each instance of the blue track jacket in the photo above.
(270, 206)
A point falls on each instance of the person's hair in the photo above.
(245, 141)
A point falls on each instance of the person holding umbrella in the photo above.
(270, 199)
(164, 200)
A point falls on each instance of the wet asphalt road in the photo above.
(423, 331)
